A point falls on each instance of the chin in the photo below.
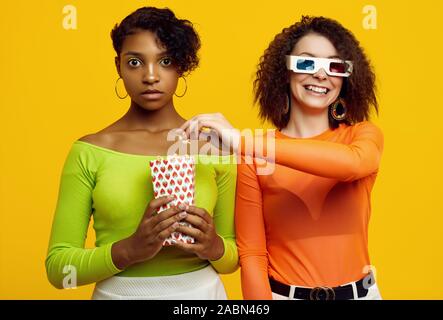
(318, 105)
(150, 105)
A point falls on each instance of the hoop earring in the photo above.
(116, 91)
(338, 109)
(186, 88)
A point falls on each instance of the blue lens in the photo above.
(305, 64)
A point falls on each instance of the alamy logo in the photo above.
(259, 146)
(370, 20)
(70, 17)
(369, 280)
(70, 280)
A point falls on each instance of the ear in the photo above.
(117, 65)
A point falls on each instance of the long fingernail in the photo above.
(183, 214)
(175, 225)
(181, 206)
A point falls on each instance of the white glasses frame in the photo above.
(291, 64)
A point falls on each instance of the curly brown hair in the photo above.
(271, 85)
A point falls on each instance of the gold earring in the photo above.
(186, 88)
(116, 91)
(338, 109)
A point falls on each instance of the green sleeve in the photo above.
(67, 257)
(224, 214)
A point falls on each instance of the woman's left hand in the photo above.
(213, 123)
(208, 244)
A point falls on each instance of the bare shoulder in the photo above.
(104, 138)
(98, 139)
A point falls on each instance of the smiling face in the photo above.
(314, 91)
(148, 73)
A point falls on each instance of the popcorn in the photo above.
(174, 176)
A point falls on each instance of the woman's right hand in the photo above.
(213, 123)
(148, 239)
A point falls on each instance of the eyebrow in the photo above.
(312, 55)
(139, 54)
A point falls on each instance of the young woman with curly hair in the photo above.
(107, 175)
(302, 231)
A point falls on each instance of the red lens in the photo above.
(337, 67)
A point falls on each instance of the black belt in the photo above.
(324, 293)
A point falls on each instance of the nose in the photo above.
(151, 75)
(320, 74)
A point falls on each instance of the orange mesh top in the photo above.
(306, 224)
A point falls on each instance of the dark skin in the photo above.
(143, 65)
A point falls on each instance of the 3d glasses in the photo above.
(311, 65)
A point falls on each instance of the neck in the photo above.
(305, 122)
(165, 118)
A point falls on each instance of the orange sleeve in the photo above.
(344, 162)
(250, 235)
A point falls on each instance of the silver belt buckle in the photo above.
(315, 293)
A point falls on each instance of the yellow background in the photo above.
(57, 85)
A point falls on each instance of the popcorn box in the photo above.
(174, 176)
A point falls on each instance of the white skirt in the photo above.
(203, 284)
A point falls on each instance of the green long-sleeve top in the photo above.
(114, 188)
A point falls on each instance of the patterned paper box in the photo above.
(174, 176)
